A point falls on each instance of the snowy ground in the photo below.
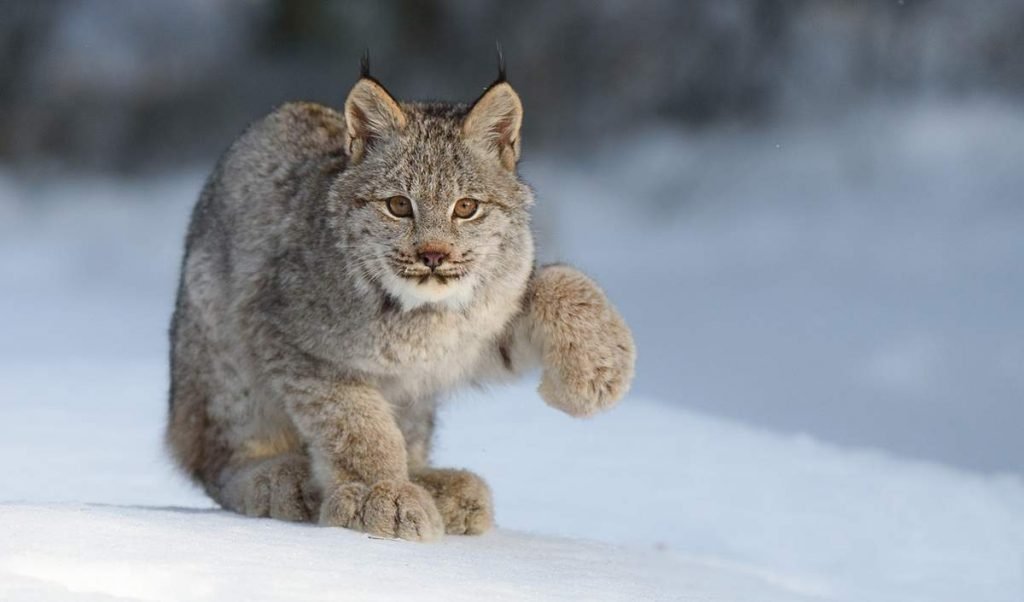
(691, 508)
(187, 554)
(864, 292)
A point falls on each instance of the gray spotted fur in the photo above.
(308, 354)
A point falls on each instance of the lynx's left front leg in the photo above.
(586, 348)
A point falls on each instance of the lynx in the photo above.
(343, 272)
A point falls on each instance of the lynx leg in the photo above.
(588, 351)
(360, 462)
(462, 497)
(279, 487)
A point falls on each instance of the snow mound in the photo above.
(149, 553)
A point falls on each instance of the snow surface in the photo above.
(803, 296)
(691, 508)
(152, 553)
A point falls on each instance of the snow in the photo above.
(173, 553)
(101, 512)
(790, 323)
(688, 507)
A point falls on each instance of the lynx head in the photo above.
(430, 210)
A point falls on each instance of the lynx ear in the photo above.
(493, 123)
(370, 114)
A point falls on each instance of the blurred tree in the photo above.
(114, 85)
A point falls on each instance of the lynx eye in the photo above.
(399, 206)
(466, 208)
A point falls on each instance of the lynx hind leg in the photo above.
(277, 487)
(462, 498)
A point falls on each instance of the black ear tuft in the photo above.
(364, 64)
(501, 64)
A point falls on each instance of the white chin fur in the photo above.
(456, 294)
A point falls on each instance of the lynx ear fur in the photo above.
(370, 114)
(493, 123)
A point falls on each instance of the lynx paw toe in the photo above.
(463, 499)
(387, 508)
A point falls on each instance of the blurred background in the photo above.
(811, 211)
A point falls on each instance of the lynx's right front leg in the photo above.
(360, 461)
(587, 349)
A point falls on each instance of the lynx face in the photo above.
(430, 208)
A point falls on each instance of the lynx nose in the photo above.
(433, 258)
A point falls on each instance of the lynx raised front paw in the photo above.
(588, 350)
(387, 508)
(462, 497)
